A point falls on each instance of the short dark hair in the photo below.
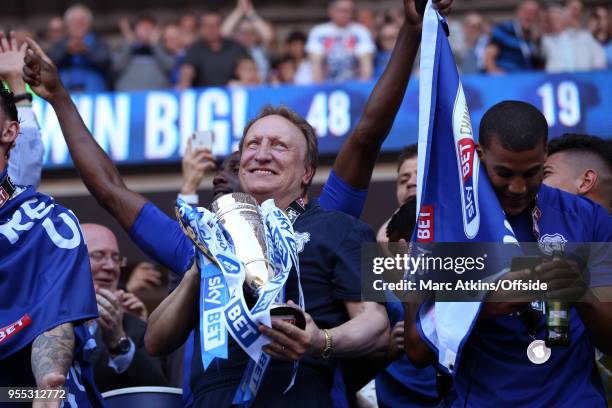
(312, 143)
(7, 103)
(145, 17)
(518, 126)
(280, 60)
(296, 36)
(408, 152)
(401, 224)
(575, 142)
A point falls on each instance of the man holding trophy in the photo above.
(278, 161)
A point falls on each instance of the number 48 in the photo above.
(567, 106)
(330, 113)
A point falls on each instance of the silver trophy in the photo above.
(240, 216)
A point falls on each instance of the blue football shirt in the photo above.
(494, 365)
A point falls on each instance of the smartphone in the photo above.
(202, 140)
(525, 262)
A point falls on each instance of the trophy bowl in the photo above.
(241, 218)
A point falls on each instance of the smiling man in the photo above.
(278, 158)
(120, 359)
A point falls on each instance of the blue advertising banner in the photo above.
(152, 127)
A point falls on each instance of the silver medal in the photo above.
(537, 352)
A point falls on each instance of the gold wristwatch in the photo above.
(329, 345)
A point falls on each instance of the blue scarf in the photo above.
(457, 201)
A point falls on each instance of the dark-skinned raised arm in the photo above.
(96, 169)
(357, 157)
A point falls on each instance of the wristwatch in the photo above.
(121, 347)
(329, 345)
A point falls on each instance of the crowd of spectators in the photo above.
(244, 49)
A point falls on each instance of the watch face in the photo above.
(123, 346)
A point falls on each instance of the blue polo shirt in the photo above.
(494, 369)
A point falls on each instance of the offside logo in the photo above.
(468, 165)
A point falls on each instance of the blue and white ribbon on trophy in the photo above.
(283, 254)
(222, 305)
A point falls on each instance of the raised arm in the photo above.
(355, 161)
(25, 160)
(96, 169)
(228, 28)
(263, 28)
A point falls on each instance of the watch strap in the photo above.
(329, 344)
(121, 347)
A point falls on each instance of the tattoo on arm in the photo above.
(52, 352)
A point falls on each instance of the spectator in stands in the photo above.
(601, 28)
(513, 43)
(82, 59)
(246, 73)
(120, 359)
(392, 15)
(283, 71)
(387, 36)
(174, 43)
(296, 48)
(568, 49)
(367, 18)
(341, 49)
(252, 32)
(581, 164)
(211, 60)
(56, 30)
(574, 9)
(476, 40)
(142, 63)
(188, 24)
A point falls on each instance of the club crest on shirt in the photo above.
(301, 239)
(549, 243)
(292, 214)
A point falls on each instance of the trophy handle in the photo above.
(289, 314)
